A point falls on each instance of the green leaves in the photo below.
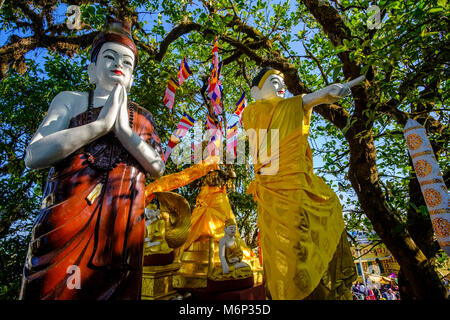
(401, 59)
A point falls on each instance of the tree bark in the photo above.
(417, 269)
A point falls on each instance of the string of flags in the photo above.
(214, 94)
(185, 124)
(184, 72)
(214, 84)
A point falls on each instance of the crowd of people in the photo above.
(385, 292)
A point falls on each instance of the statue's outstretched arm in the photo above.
(54, 141)
(329, 94)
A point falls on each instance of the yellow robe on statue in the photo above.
(212, 209)
(299, 216)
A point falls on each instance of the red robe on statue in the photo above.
(88, 245)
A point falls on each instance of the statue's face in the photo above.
(273, 87)
(231, 230)
(114, 64)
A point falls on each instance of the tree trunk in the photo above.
(363, 174)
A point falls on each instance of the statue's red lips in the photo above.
(118, 72)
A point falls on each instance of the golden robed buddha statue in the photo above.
(155, 241)
(304, 246)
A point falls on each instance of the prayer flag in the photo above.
(216, 98)
(240, 105)
(232, 140)
(210, 123)
(184, 71)
(186, 123)
(169, 97)
(215, 142)
(214, 85)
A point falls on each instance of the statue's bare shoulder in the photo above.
(71, 103)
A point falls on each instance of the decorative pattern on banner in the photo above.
(169, 97)
(431, 181)
(240, 105)
(184, 72)
(186, 123)
(232, 140)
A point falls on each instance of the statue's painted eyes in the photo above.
(109, 57)
(128, 63)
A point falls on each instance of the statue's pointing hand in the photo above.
(340, 91)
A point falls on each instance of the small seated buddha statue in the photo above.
(155, 241)
(231, 254)
(233, 273)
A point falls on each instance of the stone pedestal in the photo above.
(157, 282)
(199, 259)
(196, 262)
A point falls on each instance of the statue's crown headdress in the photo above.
(114, 31)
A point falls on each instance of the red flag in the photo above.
(184, 71)
(169, 97)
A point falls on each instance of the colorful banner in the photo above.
(186, 123)
(240, 105)
(184, 72)
(431, 182)
(232, 140)
(214, 90)
(210, 123)
(169, 97)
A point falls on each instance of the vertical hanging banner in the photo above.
(184, 72)
(240, 105)
(232, 140)
(185, 124)
(214, 85)
(210, 122)
(431, 181)
(169, 97)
